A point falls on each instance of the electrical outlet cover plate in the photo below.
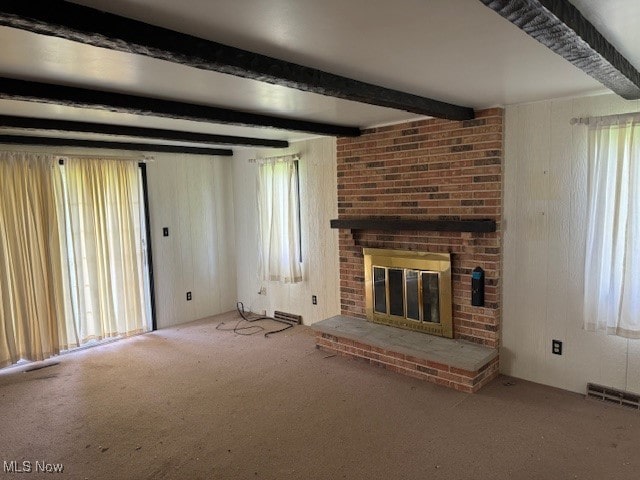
(314, 299)
(188, 296)
(556, 347)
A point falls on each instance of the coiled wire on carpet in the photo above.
(237, 329)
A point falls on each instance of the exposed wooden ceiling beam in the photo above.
(137, 147)
(87, 25)
(560, 26)
(25, 90)
(128, 131)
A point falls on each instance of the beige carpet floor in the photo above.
(193, 402)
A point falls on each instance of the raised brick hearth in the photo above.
(452, 363)
(427, 170)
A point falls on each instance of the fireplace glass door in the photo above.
(409, 289)
(407, 293)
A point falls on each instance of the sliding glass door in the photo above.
(145, 245)
(75, 260)
(105, 250)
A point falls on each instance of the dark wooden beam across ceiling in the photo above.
(136, 147)
(93, 27)
(561, 27)
(129, 131)
(25, 90)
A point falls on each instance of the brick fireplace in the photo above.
(429, 170)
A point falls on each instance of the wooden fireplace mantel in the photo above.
(478, 226)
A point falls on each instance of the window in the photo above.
(279, 221)
(612, 262)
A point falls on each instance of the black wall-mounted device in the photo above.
(477, 287)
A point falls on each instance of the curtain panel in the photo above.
(31, 290)
(278, 222)
(71, 259)
(103, 249)
(612, 262)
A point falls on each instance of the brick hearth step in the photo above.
(453, 363)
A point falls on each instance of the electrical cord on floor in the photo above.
(289, 325)
(255, 328)
(239, 330)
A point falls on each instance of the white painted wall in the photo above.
(318, 205)
(545, 182)
(192, 196)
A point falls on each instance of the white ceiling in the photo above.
(457, 51)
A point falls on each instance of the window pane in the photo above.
(413, 308)
(396, 292)
(379, 290)
(430, 297)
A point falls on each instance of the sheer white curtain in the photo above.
(31, 292)
(612, 263)
(278, 222)
(103, 249)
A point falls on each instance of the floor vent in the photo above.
(613, 395)
(288, 317)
